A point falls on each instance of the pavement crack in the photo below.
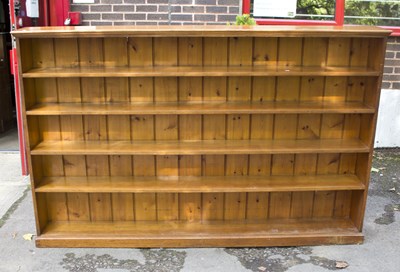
(14, 207)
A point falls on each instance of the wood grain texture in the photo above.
(200, 135)
(191, 184)
(194, 71)
(211, 147)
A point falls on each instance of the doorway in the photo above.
(8, 121)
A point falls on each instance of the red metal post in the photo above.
(22, 147)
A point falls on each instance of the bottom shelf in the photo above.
(289, 232)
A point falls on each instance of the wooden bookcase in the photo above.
(200, 136)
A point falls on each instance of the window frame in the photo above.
(338, 21)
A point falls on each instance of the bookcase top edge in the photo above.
(201, 31)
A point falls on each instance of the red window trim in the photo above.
(339, 18)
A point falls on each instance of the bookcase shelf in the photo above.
(192, 184)
(194, 147)
(206, 71)
(199, 136)
(158, 108)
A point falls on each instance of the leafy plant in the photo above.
(244, 19)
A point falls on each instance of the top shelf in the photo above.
(194, 71)
(201, 31)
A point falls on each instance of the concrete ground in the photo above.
(9, 140)
(380, 251)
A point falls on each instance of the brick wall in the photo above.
(161, 12)
(391, 77)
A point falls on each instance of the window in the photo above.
(384, 13)
(372, 12)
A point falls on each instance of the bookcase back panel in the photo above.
(197, 51)
(196, 89)
(195, 206)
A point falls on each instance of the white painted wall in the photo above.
(388, 127)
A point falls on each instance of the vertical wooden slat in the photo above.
(302, 202)
(290, 51)
(78, 203)
(348, 163)
(342, 204)
(335, 89)
(95, 127)
(338, 52)
(263, 89)
(100, 207)
(285, 126)
(117, 90)
(25, 51)
(69, 90)
(66, 52)
(265, 51)
(214, 89)
(279, 206)
(314, 52)
(165, 89)
(93, 90)
(141, 89)
(215, 51)
(166, 127)
(287, 89)
(42, 53)
(56, 203)
(142, 127)
(145, 204)
(167, 203)
(57, 209)
(356, 89)
(165, 51)
(359, 52)
(309, 126)
(332, 126)
(97, 165)
(235, 203)
(72, 128)
(190, 51)
(49, 127)
(91, 52)
(239, 89)
(324, 203)
(45, 90)
(115, 52)
(190, 204)
(52, 166)
(190, 89)
(121, 165)
(312, 89)
(240, 51)
(119, 128)
(238, 126)
(351, 127)
(213, 203)
(140, 51)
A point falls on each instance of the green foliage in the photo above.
(372, 9)
(244, 19)
(317, 7)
